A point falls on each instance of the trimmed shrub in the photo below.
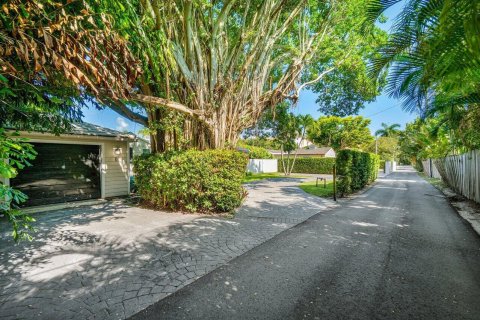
(356, 170)
(196, 181)
(311, 165)
(256, 152)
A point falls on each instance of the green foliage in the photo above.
(356, 170)
(341, 133)
(347, 87)
(446, 134)
(433, 57)
(311, 165)
(196, 181)
(19, 154)
(387, 148)
(430, 138)
(255, 152)
(286, 129)
(345, 90)
(265, 142)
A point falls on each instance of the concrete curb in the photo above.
(470, 218)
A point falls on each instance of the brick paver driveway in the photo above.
(110, 261)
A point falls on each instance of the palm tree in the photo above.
(388, 130)
(433, 55)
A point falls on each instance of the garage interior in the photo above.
(60, 173)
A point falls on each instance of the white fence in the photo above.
(462, 173)
(390, 166)
(262, 165)
(430, 169)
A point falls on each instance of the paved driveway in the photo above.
(112, 260)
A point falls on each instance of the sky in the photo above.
(383, 109)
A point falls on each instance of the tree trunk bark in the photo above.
(157, 135)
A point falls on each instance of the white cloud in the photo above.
(122, 125)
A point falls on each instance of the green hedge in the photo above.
(310, 165)
(196, 181)
(256, 152)
(356, 170)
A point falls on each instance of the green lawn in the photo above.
(320, 191)
(261, 176)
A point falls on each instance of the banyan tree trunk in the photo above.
(201, 135)
(157, 135)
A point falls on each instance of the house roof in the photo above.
(89, 129)
(313, 151)
(140, 139)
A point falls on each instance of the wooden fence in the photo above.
(462, 173)
(430, 169)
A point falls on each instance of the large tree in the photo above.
(386, 147)
(222, 63)
(288, 131)
(341, 133)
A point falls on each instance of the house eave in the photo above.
(127, 138)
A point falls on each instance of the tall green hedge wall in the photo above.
(310, 165)
(355, 169)
(196, 181)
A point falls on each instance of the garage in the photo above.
(89, 162)
(61, 173)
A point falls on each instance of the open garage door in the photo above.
(61, 173)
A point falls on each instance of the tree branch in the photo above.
(123, 110)
(167, 103)
(320, 76)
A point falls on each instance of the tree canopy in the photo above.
(387, 148)
(222, 63)
(341, 133)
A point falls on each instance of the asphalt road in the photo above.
(399, 251)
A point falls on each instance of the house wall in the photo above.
(139, 148)
(114, 168)
(330, 154)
